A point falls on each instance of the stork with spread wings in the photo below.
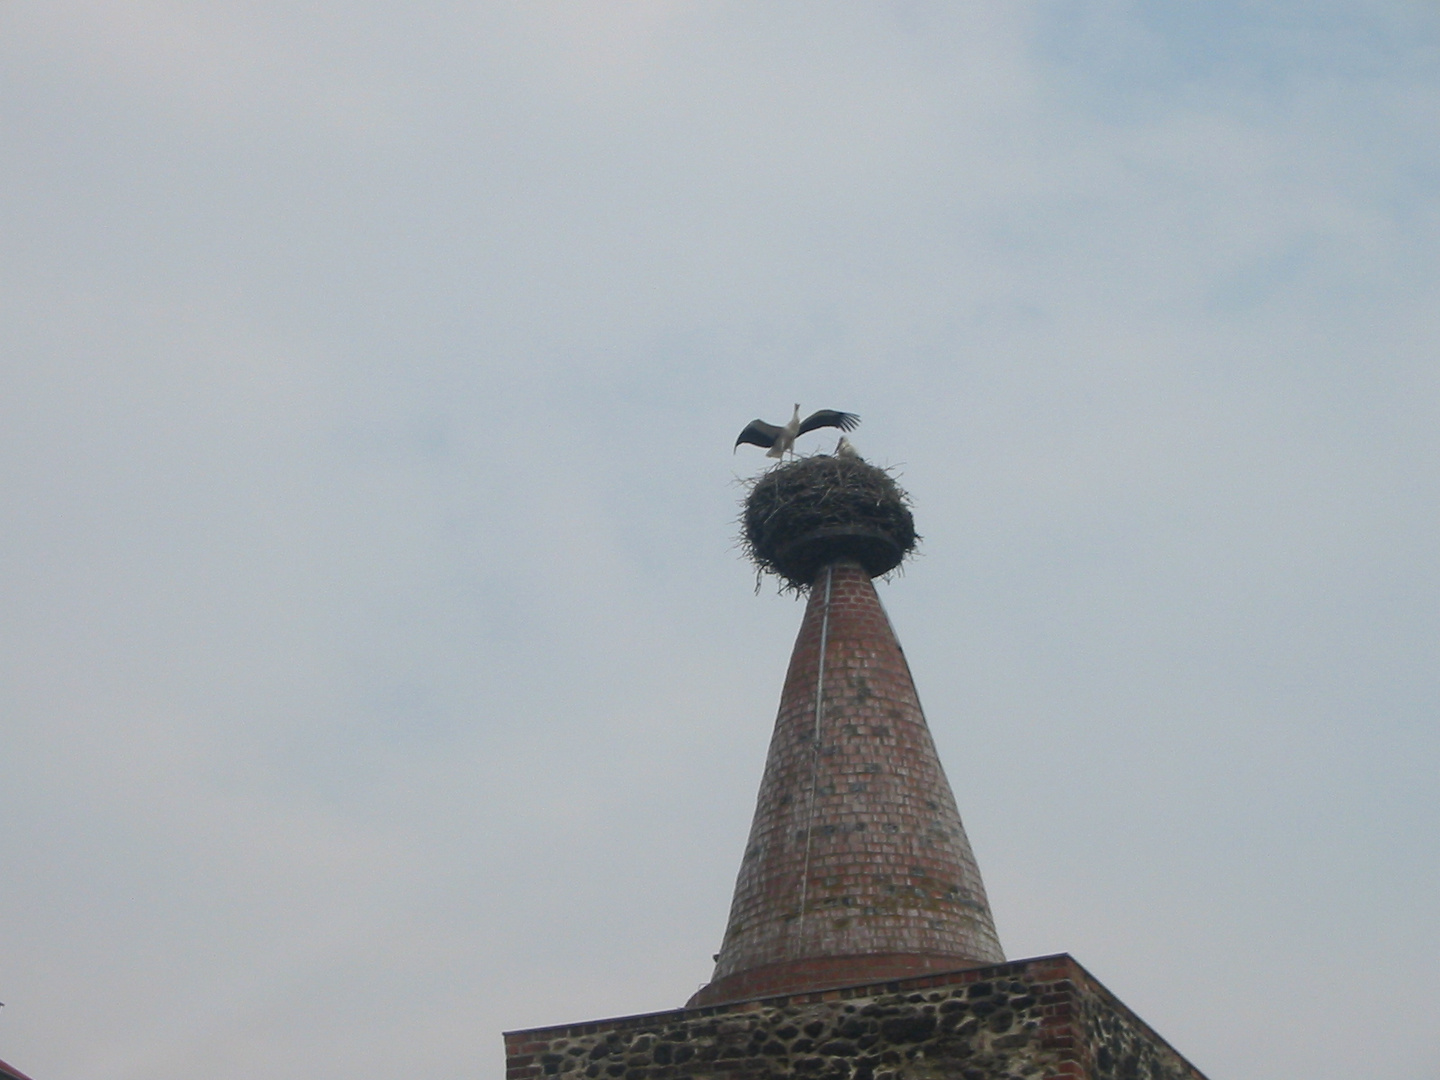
(781, 439)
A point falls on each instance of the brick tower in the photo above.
(860, 944)
(857, 868)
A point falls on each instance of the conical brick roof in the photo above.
(857, 868)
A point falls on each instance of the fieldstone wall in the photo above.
(1042, 1019)
(1115, 1044)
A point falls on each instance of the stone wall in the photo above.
(1041, 1019)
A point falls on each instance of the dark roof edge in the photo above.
(971, 973)
(918, 982)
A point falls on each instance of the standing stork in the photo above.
(781, 439)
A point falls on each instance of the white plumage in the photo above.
(778, 440)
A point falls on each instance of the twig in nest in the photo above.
(803, 513)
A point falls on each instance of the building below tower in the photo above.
(1041, 1019)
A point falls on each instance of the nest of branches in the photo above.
(804, 514)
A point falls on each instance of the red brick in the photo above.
(874, 795)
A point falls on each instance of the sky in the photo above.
(378, 668)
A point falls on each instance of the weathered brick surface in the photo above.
(857, 865)
(1040, 1019)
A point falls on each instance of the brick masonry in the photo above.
(857, 867)
(1041, 1019)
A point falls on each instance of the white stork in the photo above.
(781, 439)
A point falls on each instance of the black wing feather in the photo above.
(845, 421)
(759, 433)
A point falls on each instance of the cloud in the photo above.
(379, 669)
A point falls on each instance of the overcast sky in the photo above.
(377, 667)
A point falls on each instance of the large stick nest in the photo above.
(804, 514)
